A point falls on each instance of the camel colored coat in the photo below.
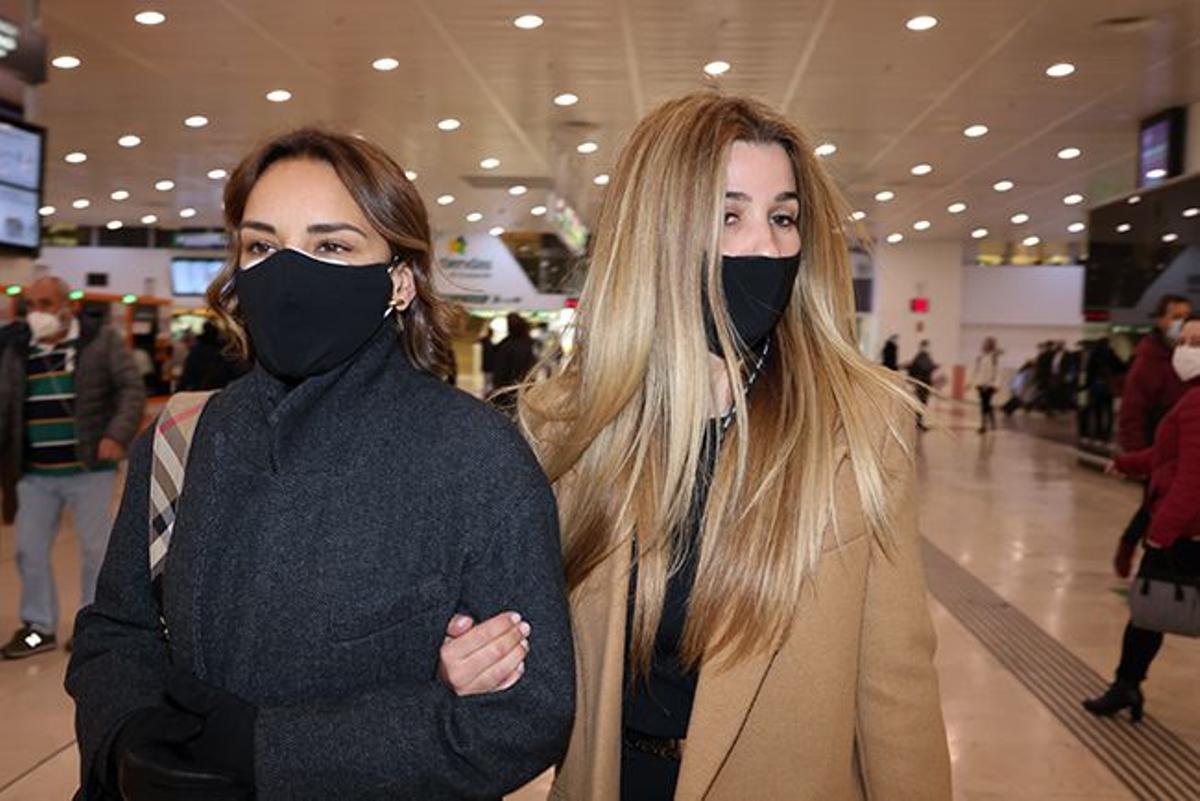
(846, 709)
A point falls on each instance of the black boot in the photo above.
(1120, 695)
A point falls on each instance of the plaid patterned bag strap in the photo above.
(173, 432)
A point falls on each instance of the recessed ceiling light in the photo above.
(979, 233)
(196, 121)
(529, 22)
(1156, 173)
(114, 225)
(858, 216)
(490, 163)
(1060, 70)
(1076, 228)
(1068, 153)
(957, 208)
(129, 140)
(1003, 186)
(715, 68)
(921, 23)
(474, 216)
(1168, 238)
(279, 95)
(922, 225)
(1192, 212)
(895, 239)
(975, 131)
(587, 147)
(921, 169)
(601, 179)
(120, 194)
(77, 157)
(164, 185)
(385, 64)
(1031, 241)
(187, 213)
(445, 200)
(80, 203)
(66, 62)
(1124, 228)
(1134, 200)
(825, 149)
(566, 99)
(217, 174)
(410, 175)
(150, 18)
(517, 190)
(1073, 199)
(496, 231)
(149, 219)
(538, 211)
(46, 211)
(885, 195)
(1020, 218)
(449, 124)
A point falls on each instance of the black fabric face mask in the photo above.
(757, 291)
(306, 316)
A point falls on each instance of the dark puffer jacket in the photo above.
(324, 538)
(110, 396)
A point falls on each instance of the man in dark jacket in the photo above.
(891, 353)
(512, 361)
(71, 401)
(1152, 388)
(921, 370)
(207, 366)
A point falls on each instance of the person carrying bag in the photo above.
(1165, 595)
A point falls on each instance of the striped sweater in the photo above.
(51, 441)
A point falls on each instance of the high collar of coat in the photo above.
(321, 420)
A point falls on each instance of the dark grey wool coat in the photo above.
(325, 536)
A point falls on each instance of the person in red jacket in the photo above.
(1151, 389)
(1172, 465)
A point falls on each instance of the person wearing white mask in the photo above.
(1172, 465)
(71, 401)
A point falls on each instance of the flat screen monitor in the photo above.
(21, 168)
(1161, 142)
(190, 277)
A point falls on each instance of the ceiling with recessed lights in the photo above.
(937, 128)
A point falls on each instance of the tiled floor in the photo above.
(1017, 511)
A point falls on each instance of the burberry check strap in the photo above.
(173, 434)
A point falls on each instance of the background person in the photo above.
(1172, 465)
(71, 401)
(986, 380)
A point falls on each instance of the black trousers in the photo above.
(645, 777)
(986, 412)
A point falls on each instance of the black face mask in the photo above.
(757, 291)
(306, 316)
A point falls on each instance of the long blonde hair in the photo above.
(620, 428)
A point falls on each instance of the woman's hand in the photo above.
(1110, 469)
(484, 658)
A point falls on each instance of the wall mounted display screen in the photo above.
(21, 149)
(190, 277)
(1161, 143)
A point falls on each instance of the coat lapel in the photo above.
(723, 700)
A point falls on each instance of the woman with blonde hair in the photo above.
(736, 489)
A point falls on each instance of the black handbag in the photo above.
(1165, 595)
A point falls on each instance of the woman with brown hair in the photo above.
(341, 501)
(736, 489)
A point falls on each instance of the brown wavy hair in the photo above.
(390, 203)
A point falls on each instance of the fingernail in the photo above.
(521, 668)
(525, 629)
(514, 617)
(525, 644)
